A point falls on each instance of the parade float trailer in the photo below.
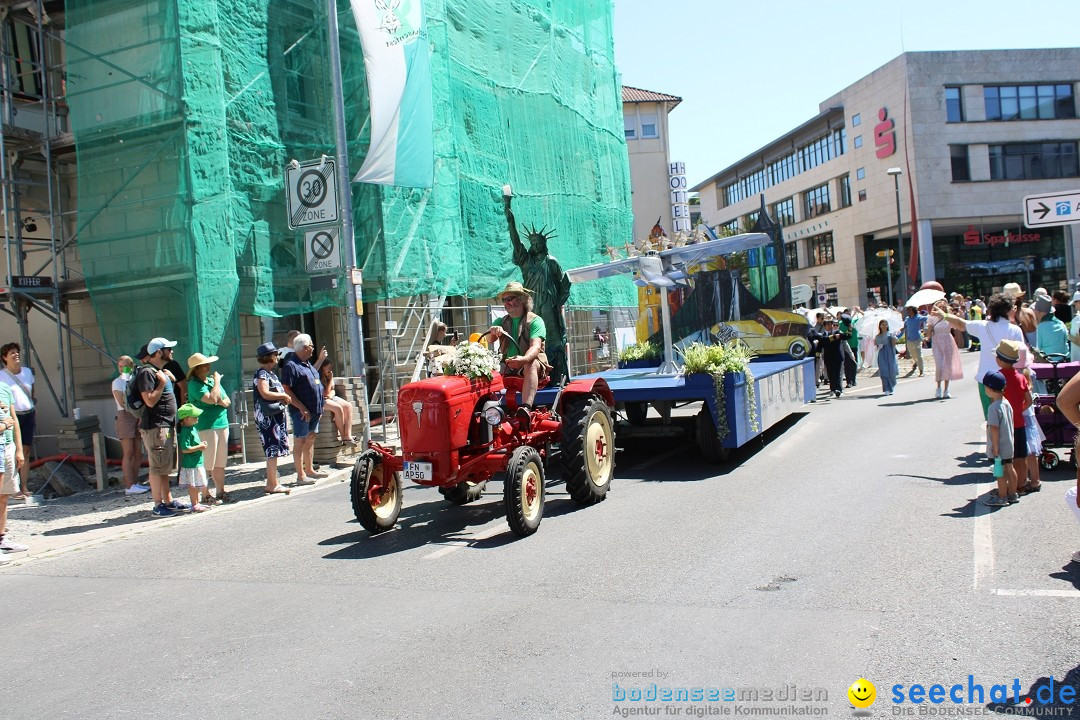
(735, 407)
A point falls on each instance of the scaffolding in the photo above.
(36, 163)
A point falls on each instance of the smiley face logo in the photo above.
(862, 693)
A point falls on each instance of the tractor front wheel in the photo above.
(464, 492)
(523, 491)
(588, 450)
(375, 493)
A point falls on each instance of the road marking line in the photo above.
(1038, 593)
(982, 540)
(453, 545)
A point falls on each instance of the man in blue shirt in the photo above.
(301, 382)
(913, 327)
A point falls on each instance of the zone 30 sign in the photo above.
(311, 190)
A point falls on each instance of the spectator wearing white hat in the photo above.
(158, 426)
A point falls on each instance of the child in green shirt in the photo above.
(192, 472)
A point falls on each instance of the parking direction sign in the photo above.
(311, 190)
(321, 250)
(1053, 209)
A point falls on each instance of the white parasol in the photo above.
(868, 323)
(926, 296)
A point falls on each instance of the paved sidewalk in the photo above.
(64, 523)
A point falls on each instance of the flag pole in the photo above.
(354, 326)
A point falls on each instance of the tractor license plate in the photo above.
(417, 471)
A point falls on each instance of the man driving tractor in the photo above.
(521, 343)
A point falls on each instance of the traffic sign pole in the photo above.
(354, 328)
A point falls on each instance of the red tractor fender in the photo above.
(586, 386)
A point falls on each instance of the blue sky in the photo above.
(750, 71)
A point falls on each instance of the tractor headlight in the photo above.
(494, 416)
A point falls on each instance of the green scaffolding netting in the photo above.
(186, 112)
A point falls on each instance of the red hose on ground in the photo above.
(89, 459)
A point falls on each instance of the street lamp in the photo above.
(896, 173)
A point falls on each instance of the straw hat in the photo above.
(199, 359)
(513, 288)
(1009, 351)
(1012, 290)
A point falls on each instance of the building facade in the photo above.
(960, 138)
(645, 121)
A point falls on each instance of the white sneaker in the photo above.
(947, 395)
(937, 393)
(10, 546)
(1076, 556)
(137, 489)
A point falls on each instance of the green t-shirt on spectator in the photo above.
(189, 438)
(6, 399)
(214, 417)
(537, 329)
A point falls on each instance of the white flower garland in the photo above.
(472, 360)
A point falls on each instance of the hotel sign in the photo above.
(680, 207)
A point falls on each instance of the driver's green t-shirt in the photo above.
(537, 329)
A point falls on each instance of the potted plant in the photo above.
(640, 355)
(722, 365)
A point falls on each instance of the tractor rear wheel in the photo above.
(710, 444)
(375, 493)
(523, 491)
(464, 492)
(588, 450)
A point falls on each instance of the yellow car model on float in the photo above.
(771, 332)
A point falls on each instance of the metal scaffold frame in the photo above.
(33, 150)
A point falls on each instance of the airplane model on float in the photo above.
(665, 269)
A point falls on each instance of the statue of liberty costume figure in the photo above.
(550, 286)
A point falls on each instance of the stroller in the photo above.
(1060, 434)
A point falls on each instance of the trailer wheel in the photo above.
(711, 446)
(636, 412)
(1049, 460)
(588, 450)
(375, 493)
(464, 492)
(798, 349)
(523, 491)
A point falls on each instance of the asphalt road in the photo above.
(850, 545)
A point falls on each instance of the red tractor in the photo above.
(456, 434)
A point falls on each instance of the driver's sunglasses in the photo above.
(511, 299)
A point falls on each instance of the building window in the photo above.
(784, 212)
(961, 171)
(820, 249)
(954, 105)
(751, 219)
(856, 120)
(648, 126)
(806, 157)
(862, 196)
(860, 173)
(816, 201)
(1032, 161)
(629, 127)
(731, 227)
(1029, 102)
(858, 141)
(791, 253)
(845, 191)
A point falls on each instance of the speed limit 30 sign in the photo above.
(311, 191)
